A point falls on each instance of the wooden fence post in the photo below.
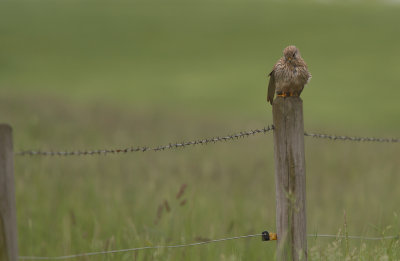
(290, 179)
(8, 220)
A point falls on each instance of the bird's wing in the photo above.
(271, 87)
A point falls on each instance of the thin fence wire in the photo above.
(191, 244)
(184, 144)
(136, 249)
(206, 141)
(350, 138)
(353, 237)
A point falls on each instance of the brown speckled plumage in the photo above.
(289, 74)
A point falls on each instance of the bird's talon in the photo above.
(283, 94)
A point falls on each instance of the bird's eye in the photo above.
(294, 54)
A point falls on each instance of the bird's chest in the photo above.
(288, 74)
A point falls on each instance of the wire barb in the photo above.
(242, 134)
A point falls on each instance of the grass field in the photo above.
(97, 74)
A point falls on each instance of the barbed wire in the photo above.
(191, 244)
(184, 144)
(206, 141)
(350, 138)
(136, 249)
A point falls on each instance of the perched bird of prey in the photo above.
(289, 75)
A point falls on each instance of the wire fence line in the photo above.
(184, 144)
(242, 134)
(191, 244)
(136, 249)
(354, 237)
(349, 138)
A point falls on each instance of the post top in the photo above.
(5, 126)
(291, 99)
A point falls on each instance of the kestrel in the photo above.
(289, 75)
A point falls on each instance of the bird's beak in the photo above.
(289, 58)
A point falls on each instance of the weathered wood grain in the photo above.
(290, 178)
(8, 221)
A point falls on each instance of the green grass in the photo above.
(85, 74)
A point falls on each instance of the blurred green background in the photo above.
(100, 74)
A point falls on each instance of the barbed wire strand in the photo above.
(350, 138)
(135, 249)
(242, 134)
(192, 244)
(235, 136)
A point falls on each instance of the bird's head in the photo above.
(291, 53)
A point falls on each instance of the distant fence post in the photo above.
(8, 220)
(290, 179)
